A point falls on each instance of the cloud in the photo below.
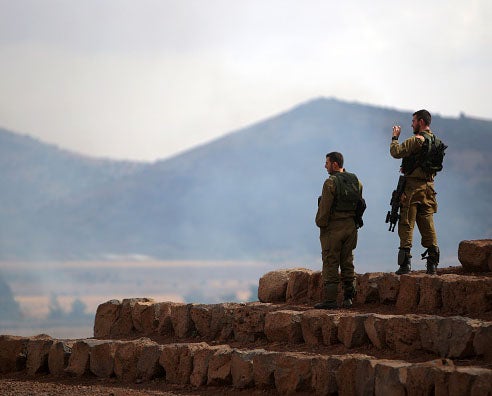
(146, 79)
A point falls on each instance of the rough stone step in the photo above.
(200, 364)
(451, 337)
(448, 293)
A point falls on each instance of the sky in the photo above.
(147, 79)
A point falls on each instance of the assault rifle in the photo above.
(392, 217)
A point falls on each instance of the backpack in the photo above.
(430, 157)
(349, 196)
(432, 154)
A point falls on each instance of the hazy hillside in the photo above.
(250, 194)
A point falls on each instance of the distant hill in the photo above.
(249, 194)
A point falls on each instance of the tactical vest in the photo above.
(348, 192)
(429, 158)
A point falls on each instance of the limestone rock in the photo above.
(101, 358)
(148, 366)
(319, 327)
(293, 374)
(123, 326)
(145, 317)
(242, 368)
(476, 256)
(249, 321)
(297, 286)
(283, 326)
(13, 353)
(201, 361)
(273, 286)
(59, 356)
(264, 365)
(126, 357)
(79, 362)
(219, 368)
(38, 349)
(351, 331)
(106, 315)
(183, 326)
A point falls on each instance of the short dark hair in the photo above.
(423, 115)
(337, 157)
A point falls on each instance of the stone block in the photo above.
(126, 357)
(183, 326)
(106, 316)
(315, 288)
(293, 374)
(351, 331)
(463, 295)
(368, 287)
(476, 255)
(482, 343)
(297, 286)
(273, 286)
(450, 337)
(219, 367)
(177, 360)
(470, 381)
(242, 368)
(409, 294)
(201, 360)
(403, 333)
(13, 353)
(389, 287)
(429, 378)
(264, 365)
(284, 326)
(355, 375)
(38, 349)
(249, 321)
(390, 377)
(101, 359)
(123, 326)
(148, 366)
(79, 362)
(375, 327)
(145, 317)
(59, 356)
(319, 327)
(201, 316)
(222, 323)
(163, 312)
(430, 300)
(323, 372)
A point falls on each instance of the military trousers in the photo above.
(338, 240)
(418, 206)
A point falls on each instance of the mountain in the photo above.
(249, 194)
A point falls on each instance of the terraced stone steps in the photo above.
(447, 294)
(409, 334)
(449, 337)
(200, 364)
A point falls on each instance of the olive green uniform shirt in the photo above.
(325, 214)
(409, 147)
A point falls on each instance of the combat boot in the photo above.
(432, 255)
(404, 261)
(349, 293)
(330, 297)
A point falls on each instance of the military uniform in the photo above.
(418, 205)
(338, 237)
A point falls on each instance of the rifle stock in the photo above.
(393, 216)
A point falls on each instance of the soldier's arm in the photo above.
(325, 203)
(408, 147)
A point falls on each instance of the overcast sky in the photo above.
(146, 79)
